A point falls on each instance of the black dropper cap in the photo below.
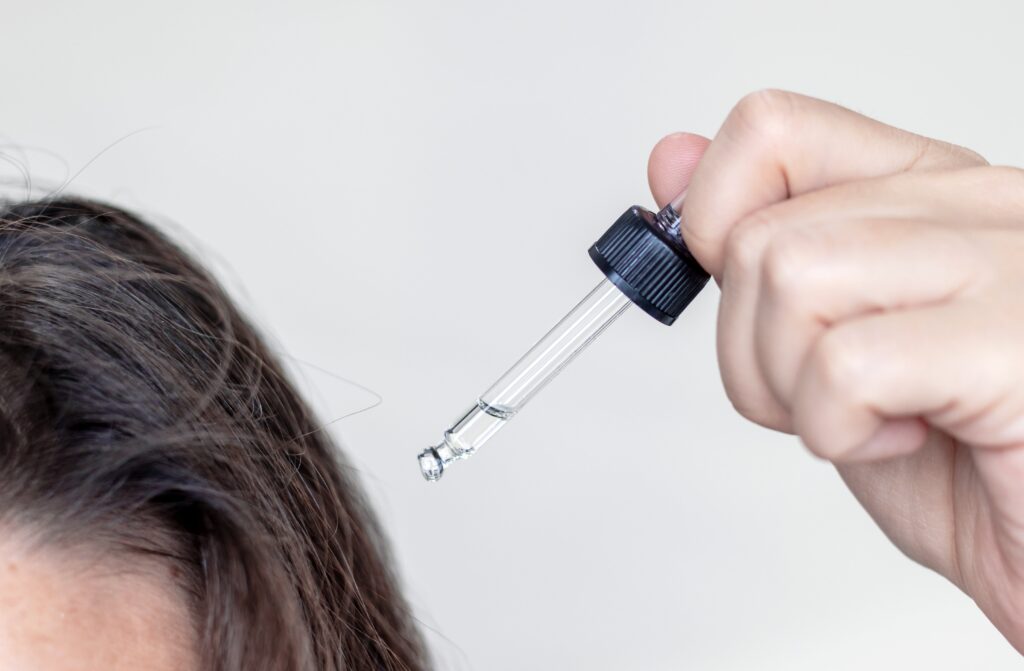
(643, 254)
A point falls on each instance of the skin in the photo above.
(873, 304)
(68, 610)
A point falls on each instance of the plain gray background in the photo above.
(402, 194)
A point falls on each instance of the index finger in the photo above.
(775, 145)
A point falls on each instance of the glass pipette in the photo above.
(645, 262)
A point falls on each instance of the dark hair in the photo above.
(141, 413)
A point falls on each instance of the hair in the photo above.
(142, 414)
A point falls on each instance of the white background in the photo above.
(402, 193)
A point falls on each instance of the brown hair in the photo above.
(140, 412)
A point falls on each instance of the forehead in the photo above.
(60, 611)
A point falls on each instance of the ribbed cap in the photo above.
(657, 273)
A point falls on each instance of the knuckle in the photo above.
(746, 243)
(840, 360)
(765, 114)
(788, 260)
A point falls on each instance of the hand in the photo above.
(873, 304)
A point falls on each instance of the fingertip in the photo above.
(895, 437)
(672, 163)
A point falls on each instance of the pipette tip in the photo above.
(431, 465)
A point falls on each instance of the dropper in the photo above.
(645, 262)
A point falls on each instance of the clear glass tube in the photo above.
(496, 406)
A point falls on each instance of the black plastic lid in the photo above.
(655, 271)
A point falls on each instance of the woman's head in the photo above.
(160, 475)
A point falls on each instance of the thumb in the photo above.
(672, 163)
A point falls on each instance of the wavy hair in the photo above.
(142, 414)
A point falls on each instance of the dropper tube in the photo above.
(516, 387)
(645, 262)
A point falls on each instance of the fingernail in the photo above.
(894, 437)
